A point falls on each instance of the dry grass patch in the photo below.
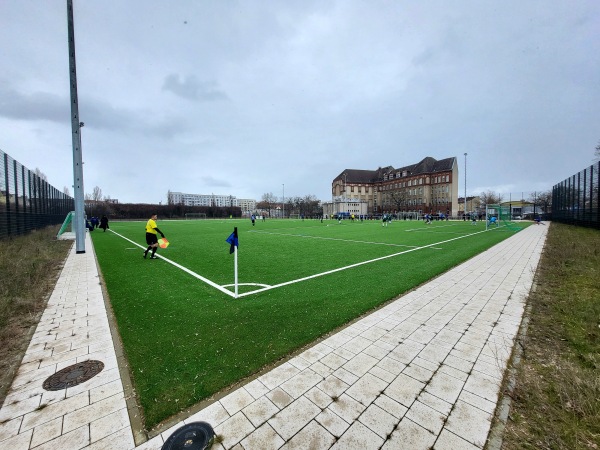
(556, 402)
(29, 267)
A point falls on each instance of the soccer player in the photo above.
(151, 236)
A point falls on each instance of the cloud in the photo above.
(35, 106)
(191, 88)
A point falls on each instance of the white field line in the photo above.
(185, 269)
(333, 239)
(268, 287)
(355, 265)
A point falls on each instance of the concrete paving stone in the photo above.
(318, 397)
(449, 441)
(321, 369)
(404, 389)
(264, 438)
(435, 353)
(236, 401)
(470, 423)
(360, 364)
(16, 408)
(357, 345)
(213, 414)
(382, 374)
(436, 403)
(374, 333)
(430, 419)
(313, 354)
(234, 430)
(357, 437)
(300, 363)
(107, 389)
(302, 382)
(50, 397)
(483, 385)
(333, 423)
(491, 370)
(96, 383)
(453, 372)
(275, 377)
(46, 432)
(90, 413)
(10, 427)
(392, 366)
(109, 424)
(18, 441)
(347, 408)
(75, 439)
(367, 389)
(376, 352)
(32, 377)
(333, 386)
(418, 373)
(337, 340)
(256, 389)
(409, 435)
(384, 345)
(345, 376)
(342, 352)
(312, 436)
(477, 401)
(379, 421)
(391, 406)
(445, 387)
(333, 361)
(293, 418)
(279, 397)
(259, 411)
(461, 355)
(407, 351)
(120, 440)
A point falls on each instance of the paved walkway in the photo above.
(422, 372)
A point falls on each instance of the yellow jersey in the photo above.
(150, 226)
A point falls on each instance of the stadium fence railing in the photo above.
(576, 200)
(27, 201)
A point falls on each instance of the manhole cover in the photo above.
(193, 436)
(73, 375)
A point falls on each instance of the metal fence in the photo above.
(576, 200)
(27, 201)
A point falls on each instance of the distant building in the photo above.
(429, 186)
(180, 198)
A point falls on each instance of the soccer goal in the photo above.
(499, 216)
(294, 216)
(195, 216)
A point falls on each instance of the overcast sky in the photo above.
(242, 97)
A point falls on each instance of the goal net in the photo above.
(294, 216)
(499, 216)
(195, 216)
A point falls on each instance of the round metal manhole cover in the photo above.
(193, 436)
(73, 375)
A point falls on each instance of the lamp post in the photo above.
(283, 203)
(465, 211)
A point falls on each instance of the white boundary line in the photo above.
(185, 269)
(269, 287)
(331, 239)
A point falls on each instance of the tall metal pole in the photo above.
(79, 219)
(283, 203)
(465, 211)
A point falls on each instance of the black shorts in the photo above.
(151, 238)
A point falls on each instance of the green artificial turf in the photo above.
(186, 340)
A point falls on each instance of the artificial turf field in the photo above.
(186, 336)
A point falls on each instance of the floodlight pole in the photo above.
(283, 202)
(465, 210)
(79, 219)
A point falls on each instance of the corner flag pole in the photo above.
(232, 240)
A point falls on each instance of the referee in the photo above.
(151, 237)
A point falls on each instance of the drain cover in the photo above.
(73, 375)
(193, 436)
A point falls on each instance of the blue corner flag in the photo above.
(232, 240)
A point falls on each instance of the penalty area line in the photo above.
(185, 269)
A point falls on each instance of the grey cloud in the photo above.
(210, 181)
(36, 106)
(192, 89)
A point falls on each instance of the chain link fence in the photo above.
(576, 200)
(27, 201)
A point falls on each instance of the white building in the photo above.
(202, 199)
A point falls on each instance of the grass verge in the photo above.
(556, 400)
(29, 267)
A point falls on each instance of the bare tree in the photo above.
(398, 199)
(490, 198)
(66, 191)
(267, 202)
(597, 152)
(40, 174)
(543, 200)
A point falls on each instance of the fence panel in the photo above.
(27, 201)
(576, 200)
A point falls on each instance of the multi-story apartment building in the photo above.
(247, 205)
(429, 186)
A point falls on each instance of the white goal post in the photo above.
(195, 216)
